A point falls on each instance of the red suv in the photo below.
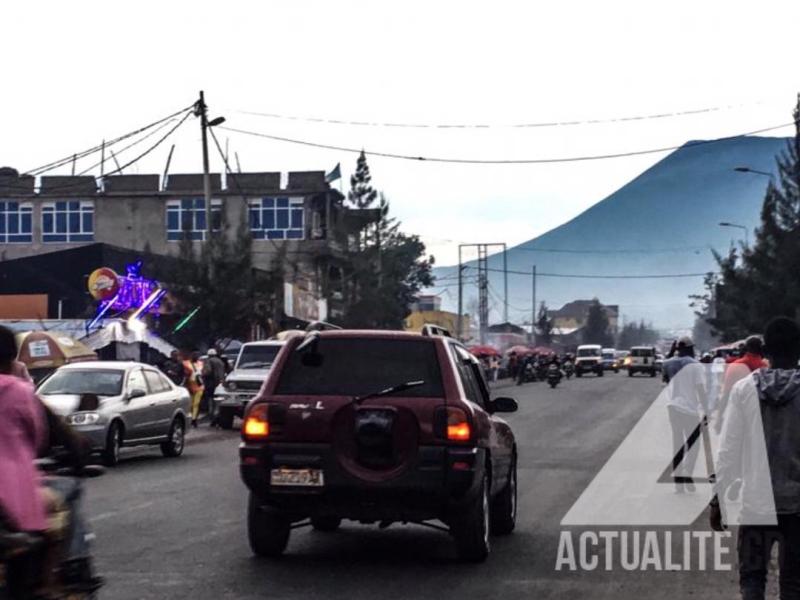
(378, 427)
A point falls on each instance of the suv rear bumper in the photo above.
(440, 477)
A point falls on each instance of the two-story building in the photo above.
(296, 217)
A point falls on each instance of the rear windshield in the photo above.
(257, 357)
(355, 367)
(589, 352)
(642, 352)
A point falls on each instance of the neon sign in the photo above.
(135, 293)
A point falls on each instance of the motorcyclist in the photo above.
(27, 429)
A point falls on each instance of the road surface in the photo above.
(175, 528)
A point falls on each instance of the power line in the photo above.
(77, 155)
(477, 161)
(567, 123)
(587, 276)
(75, 184)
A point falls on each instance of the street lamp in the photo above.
(746, 234)
(753, 171)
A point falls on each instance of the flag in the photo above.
(335, 174)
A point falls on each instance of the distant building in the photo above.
(505, 335)
(296, 216)
(426, 310)
(572, 316)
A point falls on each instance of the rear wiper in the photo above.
(388, 391)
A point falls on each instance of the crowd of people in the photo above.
(199, 377)
(752, 400)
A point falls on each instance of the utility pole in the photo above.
(459, 320)
(201, 110)
(533, 306)
(505, 284)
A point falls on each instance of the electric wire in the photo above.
(505, 161)
(542, 124)
(68, 159)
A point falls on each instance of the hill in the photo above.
(665, 221)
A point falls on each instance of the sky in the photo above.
(76, 73)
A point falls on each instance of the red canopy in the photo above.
(484, 350)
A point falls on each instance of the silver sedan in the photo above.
(119, 403)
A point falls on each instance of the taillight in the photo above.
(452, 424)
(256, 423)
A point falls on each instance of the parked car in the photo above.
(589, 360)
(243, 383)
(643, 360)
(610, 360)
(378, 427)
(117, 404)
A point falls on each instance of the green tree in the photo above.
(757, 283)
(597, 330)
(637, 334)
(361, 194)
(221, 281)
(544, 326)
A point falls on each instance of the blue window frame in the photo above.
(16, 222)
(187, 217)
(277, 219)
(68, 221)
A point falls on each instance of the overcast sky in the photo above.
(76, 72)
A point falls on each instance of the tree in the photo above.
(757, 283)
(361, 194)
(596, 330)
(637, 334)
(544, 326)
(220, 280)
(387, 268)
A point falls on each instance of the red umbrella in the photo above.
(484, 350)
(543, 350)
(519, 350)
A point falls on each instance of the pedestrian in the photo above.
(193, 380)
(760, 446)
(751, 359)
(213, 375)
(173, 368)
(686, 409)
(494, 367)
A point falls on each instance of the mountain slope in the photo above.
(662, 222)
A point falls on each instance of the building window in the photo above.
(68, 221)
(16, 222)
(187, 217)
(277, 219)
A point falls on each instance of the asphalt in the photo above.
(175, 528)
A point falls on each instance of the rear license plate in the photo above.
(297, 477)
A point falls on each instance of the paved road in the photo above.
(175, 528)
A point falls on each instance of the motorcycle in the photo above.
(569, 369)
(24, 555)
(527, 374)
(553, 376)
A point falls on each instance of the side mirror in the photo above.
(504, 405)
(136, 393)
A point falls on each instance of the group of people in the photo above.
(199, 377)
(753, 400)
(514, 364)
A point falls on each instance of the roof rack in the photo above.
(430, 330)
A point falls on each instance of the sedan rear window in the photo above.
(89, 381)
(355, 367)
